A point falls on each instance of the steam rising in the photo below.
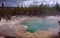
(15, 23)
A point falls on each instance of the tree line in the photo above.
(41, 10)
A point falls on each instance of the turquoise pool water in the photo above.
(34, 25)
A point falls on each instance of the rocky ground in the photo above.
(37, 34)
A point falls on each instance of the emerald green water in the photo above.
(34, 25)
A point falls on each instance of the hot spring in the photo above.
(31, 24)
(47, 23)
